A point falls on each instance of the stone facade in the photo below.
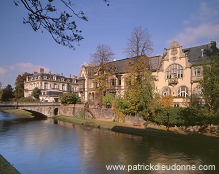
(51, 85)
(177, 73)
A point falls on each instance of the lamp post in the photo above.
(168, 118)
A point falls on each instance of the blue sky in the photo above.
(189, 22)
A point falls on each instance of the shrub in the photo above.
(161, 116)
(27, 99)
(108, 99)
(70, 98)
(36, 93)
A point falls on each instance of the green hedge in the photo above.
(190, 116)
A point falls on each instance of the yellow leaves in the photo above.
(164, 101)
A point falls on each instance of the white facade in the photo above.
(51, 85)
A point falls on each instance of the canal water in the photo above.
(41, 147)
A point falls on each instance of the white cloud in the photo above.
(201, 27)
(194, 35)
(28, 67)
(3, 72)
(203, 14)
(8, 74)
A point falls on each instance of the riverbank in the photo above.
(20, 113)
(162, 133)
(105, 124)
(6, 167)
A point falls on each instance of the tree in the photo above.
(36, 93)
(103, 70)
(70, 98)
(46, 15)
(140, 88)
(19, 85)
(1, 92)
(7, 94)
(108, 99)
(102, 55)
(139, 43)
(210, 82)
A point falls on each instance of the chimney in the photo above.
(212, 44)
(41, 70)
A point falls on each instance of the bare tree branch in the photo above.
(139, 44)
(44, 14)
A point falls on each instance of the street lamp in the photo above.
(168, 118)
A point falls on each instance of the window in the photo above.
(176, 105)
(166, 91)
(46, 85)
(174, 71)
(183, 91)
(63, 87)
(113, 82)
(198, 91)
(197, 72)
(119, 80)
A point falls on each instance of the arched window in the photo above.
(183, 91)
(166, 91)
(198, 91)
(174, 71)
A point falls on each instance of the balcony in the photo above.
(173, 81)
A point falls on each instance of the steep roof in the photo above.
(50, 76)
(200, 53)
(120, 66)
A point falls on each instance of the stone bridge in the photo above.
(47, 109)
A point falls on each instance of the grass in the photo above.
(19, 112)
(107, 124)
(6, 167)
(79, 120)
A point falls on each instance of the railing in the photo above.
(29, 104)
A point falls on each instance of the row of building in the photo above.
(177, 73)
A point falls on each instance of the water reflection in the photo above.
(42, 147)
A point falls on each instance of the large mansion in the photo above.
(51, 85)
(177, 73)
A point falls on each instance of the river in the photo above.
(41, 147)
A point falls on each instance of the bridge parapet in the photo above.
(30, 104)
(46, 108)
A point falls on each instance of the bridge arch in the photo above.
(36, 114)
(56, 111)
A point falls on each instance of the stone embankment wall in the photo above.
(97, 113)
(109, 115)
